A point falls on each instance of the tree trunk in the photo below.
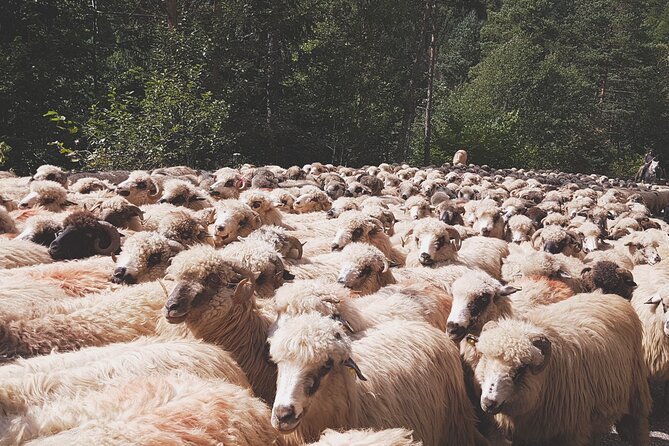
(432, 57)
(172, 13)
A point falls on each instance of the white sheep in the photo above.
(460, 157)
(387, 437)
(47, 195)
(325, 380)
(552, 379)
(263, 205)
(233, 219)
(174, 409)
(357, 227)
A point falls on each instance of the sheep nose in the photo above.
(124, 193)
(214, 193)
(284, 414)
(336, 247)
(164, 200)
(404, 196)
(23, 205)
(348, 194)
(120, 272)
(490, 406)
(425, 257)
(456, 331)
(220, 228)
(485, 231)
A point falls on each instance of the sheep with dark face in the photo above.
(83, 236)
(610, 278)
(450, 213)
(373, 183)
(555, 239)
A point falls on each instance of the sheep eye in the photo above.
(214, 280)
(519, 374)
(51, 177)
(441, 241)
(284, 201)
(366, 271)
(154, 259)
(141, 185)
(179, 200)
(357, 234)
(261, 279)
(358, 189)
(255, 205)
(485, 298)
(243, 223)
(228, 183)
(417, 240)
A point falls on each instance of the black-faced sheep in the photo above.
(609, 278)
(84, 235)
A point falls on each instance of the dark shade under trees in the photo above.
(578, 85)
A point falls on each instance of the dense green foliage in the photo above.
(579, 85)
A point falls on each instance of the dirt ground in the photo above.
(659, 424)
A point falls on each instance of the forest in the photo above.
(575, 85)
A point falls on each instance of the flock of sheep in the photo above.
(388, 306)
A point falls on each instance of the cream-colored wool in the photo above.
(356, 226)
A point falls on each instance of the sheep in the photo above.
(418, 207)
(47, 195)
(7, 224)
(35, 381)
(120, 212)
(407, 189)
(356, 189)
(285, 244)
(460, 157)
(183, 193)
(383, 214)
(357, 227)
(341, 205)
(543, 264)
(391, 392)
(416, 302)
(173, 409)
(641, 247)
(213, 297)
(140, 188)
(261, 259)
(47, 172)
(84, 235)
(610, 278)
(373, 183)
(387, 437)
(144, 258)
(88, 185)
(16, 253)
(555, 239)
(118, 316)
(283, 200)
(524, 364)
(227, 185)
(488, 219)
(233, 220)
(449, 213)
(591, 236)
(440, 244)
(365, 269)
(519, 229)
(263, 205)
(313, 201)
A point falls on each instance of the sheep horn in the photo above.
(158, 192)
(455, 235)
(353, 366)
(536, 235)
(114, 237)
(576, 238)
(294, 243)
(136, 212)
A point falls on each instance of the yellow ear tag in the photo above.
(472, 340)
(352, 372)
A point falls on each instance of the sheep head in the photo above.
(357, 189)
(365, 268)
(259, 258)
(356, 227)
(435, 241)
(205, 282)
(513, 355)
(335, 189)
(307, 349)
(418, 207)
(312, 202)
(144, 257)
(489, 221)
(555, 239)
(48, 172)
(519, 228)
(610, 278)
(183, 193)
(140, 188)
(285, 244)
(473, 303)
(83, 236)
(48, 195)
(228, 184)
(233, 220)
(658, 303)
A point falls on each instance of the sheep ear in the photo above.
(543, 344)
(585, 270)
(654, 300)
(257, 221)
(490, 325)
(175, 246)
(507, 290)
(354, 367)
(287, 275)
(392, 264)
(562, 274)
(243, 291)
(344, 322)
